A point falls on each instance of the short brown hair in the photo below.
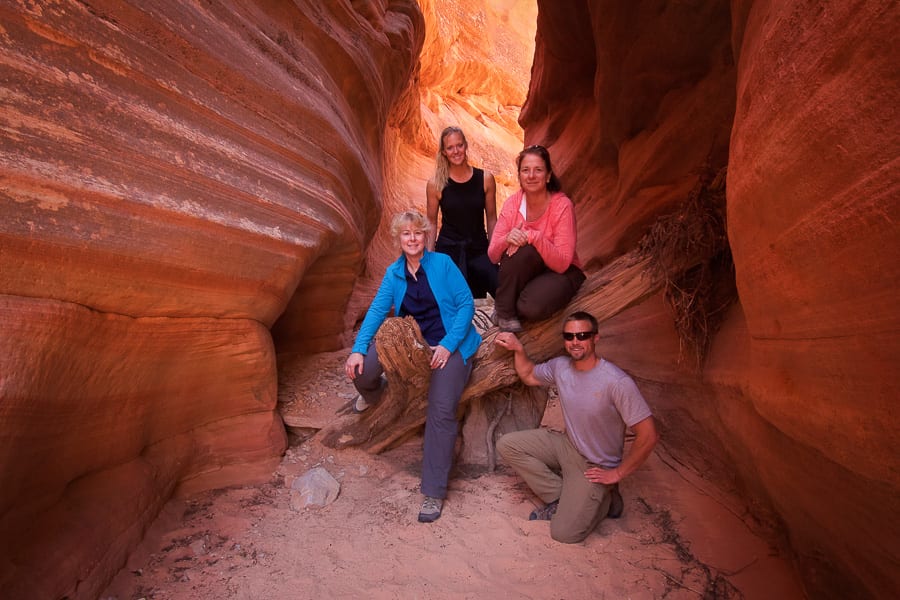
(582, 316)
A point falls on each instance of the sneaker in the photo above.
(431, 510)
(511, 325)
(359, 404)
(545, 513)
(616, 504)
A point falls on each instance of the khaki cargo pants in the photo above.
(554, 469)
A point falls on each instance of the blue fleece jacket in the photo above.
(451, 292)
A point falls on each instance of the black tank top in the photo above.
(462, 212)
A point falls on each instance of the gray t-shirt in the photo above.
(597, 406)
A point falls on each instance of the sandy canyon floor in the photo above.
(679, 538)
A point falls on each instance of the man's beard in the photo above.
(578, 353)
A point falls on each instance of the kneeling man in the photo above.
(577, 472)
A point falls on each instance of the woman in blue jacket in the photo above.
(430, 288)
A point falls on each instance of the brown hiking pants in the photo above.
(528, 290)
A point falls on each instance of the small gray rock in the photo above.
(198, 548)
(316, 487)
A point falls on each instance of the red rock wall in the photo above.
(795, 405)
(177, 180)
(172, 177)
(813, 212)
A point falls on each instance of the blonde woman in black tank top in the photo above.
(466, 198)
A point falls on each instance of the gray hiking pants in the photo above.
(441, 427)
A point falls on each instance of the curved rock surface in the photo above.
(188, 190)
(172, 177)
(795, 405)
(814, 182)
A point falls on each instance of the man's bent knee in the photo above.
(567, 536)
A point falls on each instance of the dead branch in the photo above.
(489, 434)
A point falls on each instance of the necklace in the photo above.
(413, 269)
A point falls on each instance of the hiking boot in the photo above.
(431, 509)
(616, 504)
(511, 325)
(545, 513)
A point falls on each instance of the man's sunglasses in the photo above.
(581, 335)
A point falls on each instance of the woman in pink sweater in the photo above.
(534, 242)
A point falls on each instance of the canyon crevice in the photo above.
(189, 191)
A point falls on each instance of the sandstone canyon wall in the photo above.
(795, 407)
(171, 174)
(189, 190)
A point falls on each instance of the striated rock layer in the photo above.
(189, 189)
(813, 209)
(795, 406)
(172, 177)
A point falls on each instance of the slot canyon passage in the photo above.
(194, 203)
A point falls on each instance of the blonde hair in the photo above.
(441, 164)
(414, 217)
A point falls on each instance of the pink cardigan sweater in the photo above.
(552, 234)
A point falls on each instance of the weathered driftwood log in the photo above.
(514, 408)
(606, 293)
(405, 356)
